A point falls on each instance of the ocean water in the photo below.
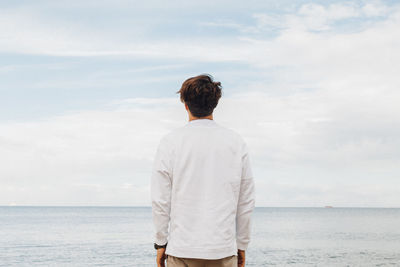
(123, 236)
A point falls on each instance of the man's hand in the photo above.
(161, 257)
(241, 258)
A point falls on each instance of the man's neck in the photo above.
(210, 117)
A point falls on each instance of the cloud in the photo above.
(375, 9)
(299, 140)
(317, 103)
(93, 150)
(283, 194)
(318, 17)
(29, 32)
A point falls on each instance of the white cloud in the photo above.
(319, 17)
(110, 148)
(310, 139)
(29, 33)
(321, 118)
(375, 9)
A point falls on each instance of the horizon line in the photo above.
(119, 206)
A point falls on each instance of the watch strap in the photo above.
(160, 246)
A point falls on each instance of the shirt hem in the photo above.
(201, 253)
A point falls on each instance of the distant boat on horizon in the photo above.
(328, 207)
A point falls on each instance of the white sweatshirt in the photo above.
(202, 186)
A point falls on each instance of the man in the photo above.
(202, 186)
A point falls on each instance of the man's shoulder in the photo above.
(176, 133)
(229, 132)
(171, 134)
(232, 132)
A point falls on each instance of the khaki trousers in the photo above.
(230, 261)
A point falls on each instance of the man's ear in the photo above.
(186, 107)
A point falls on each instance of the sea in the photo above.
(123, 236)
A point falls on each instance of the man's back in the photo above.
(203, 185)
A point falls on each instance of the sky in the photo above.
(88, 88)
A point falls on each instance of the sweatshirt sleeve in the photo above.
(246, 203)
(161, 184)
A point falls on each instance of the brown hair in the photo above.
(201, 94)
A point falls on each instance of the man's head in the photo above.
(200, 94)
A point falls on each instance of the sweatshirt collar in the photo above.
(201, 122)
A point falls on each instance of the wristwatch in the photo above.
(158, 246)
